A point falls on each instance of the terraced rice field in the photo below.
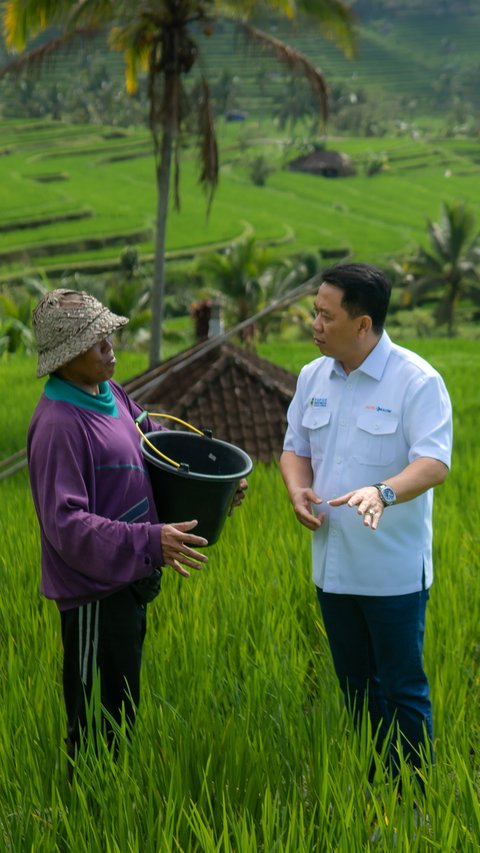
(73, 197)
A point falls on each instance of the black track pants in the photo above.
(102, 644)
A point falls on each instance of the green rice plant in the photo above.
(242, 741)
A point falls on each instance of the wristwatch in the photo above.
(387, 494)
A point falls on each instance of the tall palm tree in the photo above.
(158, 37)
(450, 269)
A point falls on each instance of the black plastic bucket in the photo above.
(204, 485)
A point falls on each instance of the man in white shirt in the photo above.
(369, 436)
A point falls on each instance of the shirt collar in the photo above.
(375, 362)
(102, 403)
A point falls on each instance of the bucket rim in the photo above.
(195, 475)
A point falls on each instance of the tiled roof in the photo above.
(241, 397)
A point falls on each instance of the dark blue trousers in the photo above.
(377, 649)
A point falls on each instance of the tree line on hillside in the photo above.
(95, 96)
(93, 91)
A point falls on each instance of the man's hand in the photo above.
(175, 546)
(302, 500)
(298, 477)
(239, 495)
(418, 476)
(368, 502)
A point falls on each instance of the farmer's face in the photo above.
(92, 367)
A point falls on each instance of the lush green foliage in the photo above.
(449, 269)
(242, 743)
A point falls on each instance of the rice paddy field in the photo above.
(242, 743)
(72, 195)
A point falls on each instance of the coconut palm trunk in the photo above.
(163, 170)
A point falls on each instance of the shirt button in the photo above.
(338, 460)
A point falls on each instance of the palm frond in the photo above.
(136, 46)
(37, 56)
(207, 143)
(131, 34)
(293, 59)
(421, 286)
(452, 236)
(24, 18)
(440, 238)
(131, 79)
(425, 262)
(90, 13)
(336, 20)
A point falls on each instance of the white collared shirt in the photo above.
(359, 429)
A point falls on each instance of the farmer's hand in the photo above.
(368, 503)
(302, 500)
(176, 540)
(239, 495)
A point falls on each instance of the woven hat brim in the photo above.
(101, 327)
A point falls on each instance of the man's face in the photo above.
(92, 367)
(335, 333)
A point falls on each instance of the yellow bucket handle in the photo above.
(144, 415)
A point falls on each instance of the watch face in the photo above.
(388, 494)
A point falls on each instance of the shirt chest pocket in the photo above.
(316, 422)
(376, 439)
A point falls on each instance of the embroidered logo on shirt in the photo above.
(318, 402)
(378, 409)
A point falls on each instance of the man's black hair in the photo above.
(366, 290)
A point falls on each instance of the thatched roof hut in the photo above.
(328, 164)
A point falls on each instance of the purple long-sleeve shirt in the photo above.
(98, 523)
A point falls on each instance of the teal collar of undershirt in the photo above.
(61, 389)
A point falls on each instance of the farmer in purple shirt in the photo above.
(101, 541)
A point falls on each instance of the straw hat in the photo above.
(66, 323)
